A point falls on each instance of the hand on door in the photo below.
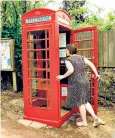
(60, 77)
(97, 77)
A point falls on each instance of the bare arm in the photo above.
(70, 70)
(92, 66)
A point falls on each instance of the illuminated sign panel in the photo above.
(38, 19)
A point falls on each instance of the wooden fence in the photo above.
(106, 44)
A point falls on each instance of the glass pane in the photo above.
(87, 53)
(47, 33)
(48, 54)
(84, 35)
(47, 43)
(42, 34)
(39, 74)
(37, 54)
(37, 35)
(40, 98)
(39, 103)
(85, 44)
(39, 84)
(40, 44)
(37, 64)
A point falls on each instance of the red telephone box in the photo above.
(45, 34)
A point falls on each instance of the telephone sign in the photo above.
(38, 19)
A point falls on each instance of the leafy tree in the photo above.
(94, 18)
(11, 12)
(75, 9)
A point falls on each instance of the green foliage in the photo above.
(75, 9)
(11, 13)
(107, 84)
(94, 19)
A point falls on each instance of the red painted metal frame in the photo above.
(51, 115)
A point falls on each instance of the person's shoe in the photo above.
(65, 108)
(80, 124)
(98, 122)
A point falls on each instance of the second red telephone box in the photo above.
(45, 34)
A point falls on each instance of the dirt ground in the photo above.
(12, 110)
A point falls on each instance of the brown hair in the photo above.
(72, 49)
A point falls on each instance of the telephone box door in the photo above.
(85, 39)
(37, 67)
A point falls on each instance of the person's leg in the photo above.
(82, 110)
(90, 110)
(97, 120)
